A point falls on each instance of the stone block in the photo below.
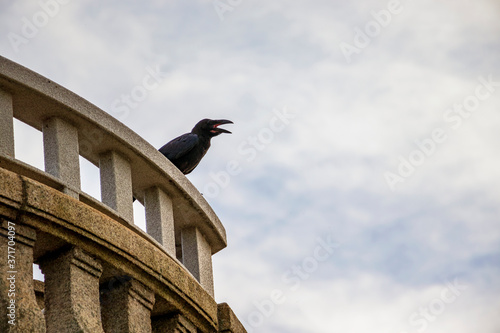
(160, 218)
(126, 307)
(116, 184)
(18, 306)
(60, 146)
(197, 257)
(173, 324)
(72, 292)
(6, 124)
(228, 322)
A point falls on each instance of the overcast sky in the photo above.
(360, 189)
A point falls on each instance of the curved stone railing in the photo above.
(102, 273)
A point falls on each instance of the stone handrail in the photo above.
(102, 273)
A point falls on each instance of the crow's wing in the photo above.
(179, 146)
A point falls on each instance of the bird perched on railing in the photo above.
(187, 150)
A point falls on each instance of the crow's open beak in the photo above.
(219, 122)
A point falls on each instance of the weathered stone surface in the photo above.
(73, 230)
(60, 147)
(116, 184)
(56, 214)
(197, 258)
(173, 324)
(39, 287)
(6, 124)
(228, 322)
(36, 98)
(11, 188)
(160, 218)
(126, 307)
(72, 292)
(17, 295)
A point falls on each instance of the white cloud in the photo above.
(324, 172)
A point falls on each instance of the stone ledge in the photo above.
(68, 220)
(228, 322)
(36, 98)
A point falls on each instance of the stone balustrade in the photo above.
(102, 273)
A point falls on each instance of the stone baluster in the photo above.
(197, 257)
(6, 124)
(116, 184)
(160, 218)
(72, 292)
(60, 147)
(19, 310)
(126, 307)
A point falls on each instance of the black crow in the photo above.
(187, 150)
